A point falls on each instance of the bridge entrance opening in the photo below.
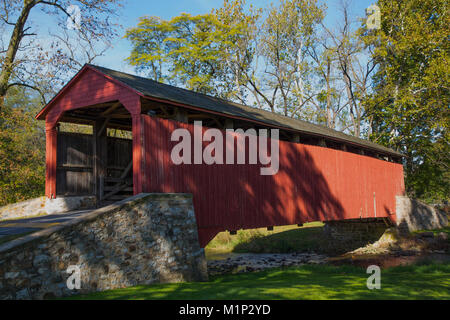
(94, 154)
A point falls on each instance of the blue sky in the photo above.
(166, 9)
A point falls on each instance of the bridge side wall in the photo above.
(142, 240)
(313, 184)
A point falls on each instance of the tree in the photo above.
(410, 103)
(346, 50)
(27, 61)
(22, 147)
(229, 53)
(207, 53)
(288, 33)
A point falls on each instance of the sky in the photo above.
(166, 9)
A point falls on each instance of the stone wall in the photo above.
(357, 232)
(43, 206)
(149, 238)
(413, 215)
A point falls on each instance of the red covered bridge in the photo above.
(323, 174)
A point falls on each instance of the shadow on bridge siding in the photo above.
(232, 197)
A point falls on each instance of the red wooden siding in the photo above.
(313, 183)
(89, 87)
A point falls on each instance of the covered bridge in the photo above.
(324, 175)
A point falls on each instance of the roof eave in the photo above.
(41, 115)
(178, 104)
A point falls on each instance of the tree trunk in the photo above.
(14, 42)
(330, 122)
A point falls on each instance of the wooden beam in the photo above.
(199, 116)
(121, 116)
(283, 133)
(122, 184)
(164, 110)
(220, 125)
(295, 138)
(229, 124)
(105, 123)
(127, 170)
(111, 109)
(117, 189)
(99, 157)
(180, 115)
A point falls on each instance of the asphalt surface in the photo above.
(27, 225)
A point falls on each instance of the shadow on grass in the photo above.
(308, 282)
(307, 239)
(296, 240)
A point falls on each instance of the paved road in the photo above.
(26, 225)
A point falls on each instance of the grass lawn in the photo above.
(437, 231)
(308, 282)
(285, 239)
(281, 240)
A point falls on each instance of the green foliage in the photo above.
(410, 105)
(220, 53)
(192, 51)
(22, 148)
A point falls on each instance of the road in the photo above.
(27, 225)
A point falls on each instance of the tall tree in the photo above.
(232, 53)
(208, 53)
(26, 60)
(22, 147)
(288, 33)
(351, 57)
(410, 104)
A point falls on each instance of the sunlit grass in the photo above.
(282, 239)
(301, 283)
(437, 231)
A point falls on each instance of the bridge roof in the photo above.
(153, 89)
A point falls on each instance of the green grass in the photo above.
(286, 239)
(308, 282)
(437, 231)
(281, 240)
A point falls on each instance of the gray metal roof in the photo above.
(151, 88)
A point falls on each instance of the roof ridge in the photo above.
(221, 99)
(326, 131)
